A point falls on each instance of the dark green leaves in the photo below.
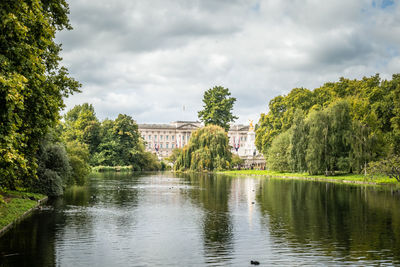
(217, 107)
(32, 84)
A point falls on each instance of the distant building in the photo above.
(163, 138)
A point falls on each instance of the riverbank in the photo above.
(112, 169)
(17, 206)
(342, 178)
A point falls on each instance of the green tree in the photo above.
(54, 168)
(339, 135)
(298, 143)
(174, 155)
(217, 107)
(280, 116)
(349, 123)
(329, 139)
(81, 124)
(279, 153)
(389, 166)
(366, 145)
(316, 153)
(78, 155)
(120, 143)
(394, 86)
(145, 161)
(32, 83)
(208, 149)
(237, 161)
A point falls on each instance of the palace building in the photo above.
(163, 138)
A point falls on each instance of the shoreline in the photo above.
(22, 213)
(340, 179)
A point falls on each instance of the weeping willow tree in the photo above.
(208, 149)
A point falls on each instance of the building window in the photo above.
(173, 137)
(160, 137)
(149, 137)
(172, 145)
(155, 137)
(167, 145)
(160, 145)
(166, 137)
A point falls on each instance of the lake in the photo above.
(171, 219)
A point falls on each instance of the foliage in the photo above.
(174, 155)
(372, 102)
(278, 154)
(82, 125)
(217, 107)
(389, 167)
(298, 143)
(32, 84)
(119, 141)
(339, 127)
(78, 155)
(111, 143)
(329, 139)
(208, 149)
(146, 161)
(163, 166)
(54, 169)
(112, 168)
(236, 161)
(366, 145)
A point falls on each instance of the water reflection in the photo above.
(202, 219)
(217, 229)
(350, 223)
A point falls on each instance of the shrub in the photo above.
(54, 169)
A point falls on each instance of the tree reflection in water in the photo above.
(352, 222)
(212, 197)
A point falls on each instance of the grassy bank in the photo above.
(112, 169)
(342, 178)
(15, 205)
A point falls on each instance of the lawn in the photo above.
(349, 178)
(15, 204)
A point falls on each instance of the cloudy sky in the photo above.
(149, 58)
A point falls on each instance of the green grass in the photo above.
(112, 169)
(16, 204)
(356, 178)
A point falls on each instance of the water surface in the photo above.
(197, 220)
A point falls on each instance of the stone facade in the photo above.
(163, 138)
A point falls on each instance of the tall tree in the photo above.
(119, 142)
(32, 83)
(208, 149)
(81, 124)
(279, 153)
(298, 143)
(317, 149)
(217, 107)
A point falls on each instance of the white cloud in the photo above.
(149, 58)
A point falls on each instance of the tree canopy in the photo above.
(110, 142)
(208, 149)
(32, 83)
(217, 107)
(340, 126)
